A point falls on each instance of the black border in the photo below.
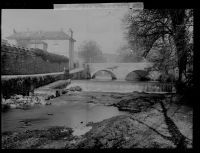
(148, 4)
(48, 4)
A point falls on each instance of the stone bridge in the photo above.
(118, 71)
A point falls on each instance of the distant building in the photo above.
(52, 41)
(37, 44)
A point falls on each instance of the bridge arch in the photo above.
(113, 76)
(137, 75)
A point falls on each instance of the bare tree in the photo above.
(126, 54)
(90, 52)
(150, 28)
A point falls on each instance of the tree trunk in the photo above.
(179, 28)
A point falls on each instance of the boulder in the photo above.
(48, 103)
(47, 97)
(72, 89)
(42, 101)
(76, 88)
(23, 102)
(18, 97)
(3, 100)
(57, 93)
(51, 96)
(8, 101)
(64, 91)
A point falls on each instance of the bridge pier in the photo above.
(114, 78)
(80, 74)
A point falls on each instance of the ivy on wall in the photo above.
(46, 56)
(23, 61)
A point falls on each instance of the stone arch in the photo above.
(113, 76)
(137, 75)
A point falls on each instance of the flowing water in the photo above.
(70, 114)
(123, 86)
(76, 113)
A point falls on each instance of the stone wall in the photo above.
(23, 85)
(18, 61)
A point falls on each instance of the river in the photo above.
(73, 110)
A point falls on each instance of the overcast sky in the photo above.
(102, 25)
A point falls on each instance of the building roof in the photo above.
(40, 35)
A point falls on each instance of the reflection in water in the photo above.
(72, 115)
(123, 86)
(103, 75)
(102, 85)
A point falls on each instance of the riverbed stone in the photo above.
(64, 91)
(75, 88)
(3, 100)
(9, 101)
(21, 102)
(48, 103)
(13, 106)
(52, 137)
(18, 97)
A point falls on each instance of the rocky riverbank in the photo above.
(39, 98)
(152, 121)
(22, 102)
(53, 137)
(155, 121)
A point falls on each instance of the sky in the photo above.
(101, 25)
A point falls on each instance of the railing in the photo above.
(159, 87)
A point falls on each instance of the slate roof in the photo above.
(40, 35)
